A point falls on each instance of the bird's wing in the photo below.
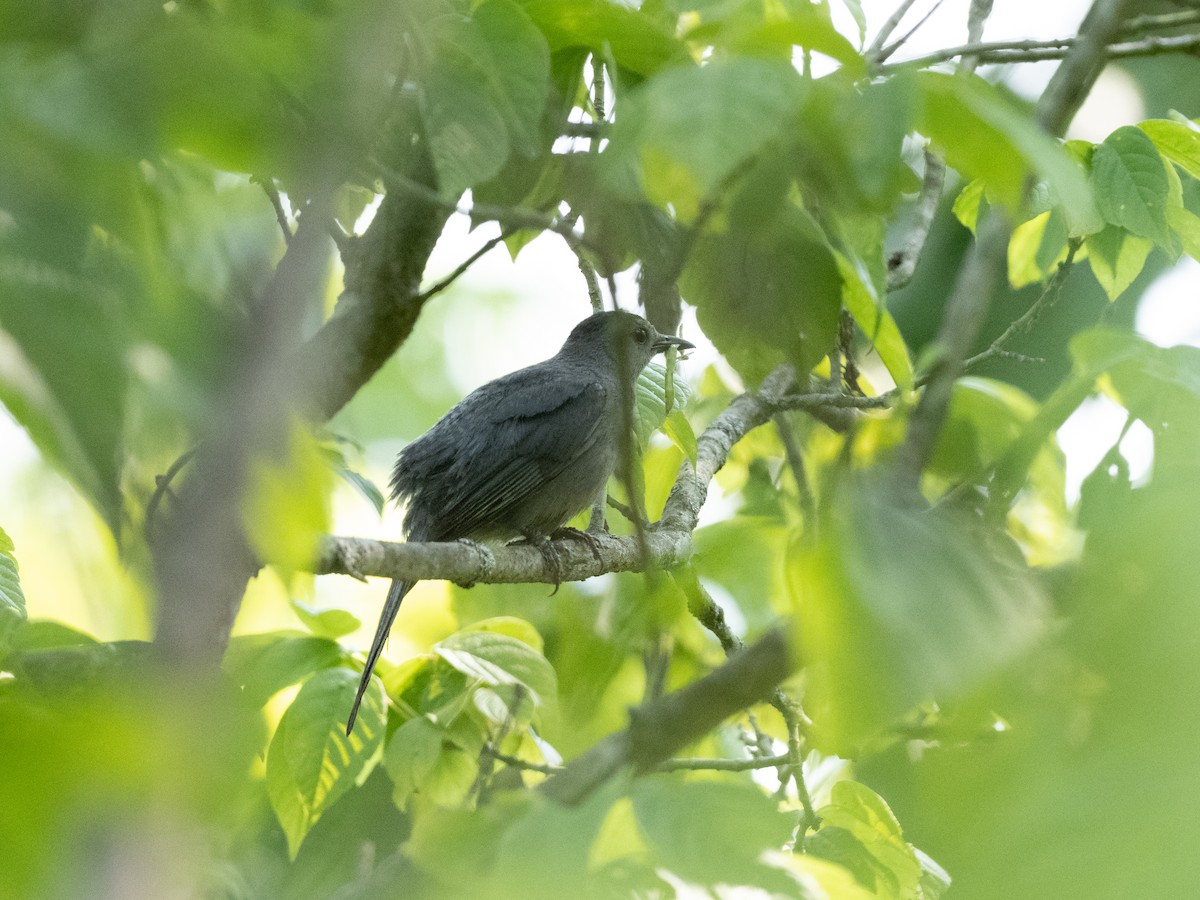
(515, 451)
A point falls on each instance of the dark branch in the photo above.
(675, 720)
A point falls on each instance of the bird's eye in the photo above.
(640, 335)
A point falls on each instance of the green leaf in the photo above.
(1117, 258)
(329, 623)
(709, 831)
(885, 630)
(1131, 185)
(411, 756)
(513, 627)
(751, 33)
(484, 95)
(1035, 249)
(635, 41)
(650, 401)
(1186, 226)
(264, 664)
(679, 430)
(12, 598)
(767, 286)
(1176, 141)
(496, 659)
(364, 486)
(862, 814)
(311, 761)
(986, 135)
(877, 323)
(860, 19)
(682, 133)
(287, 508)
(969, 203)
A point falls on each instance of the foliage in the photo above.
(997, 684)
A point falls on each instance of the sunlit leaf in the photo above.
(312, 762)
(497, 659)
(12, 598)
(1176, 141)
(1002, 145)
(1117, 258)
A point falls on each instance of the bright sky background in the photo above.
(40, 507)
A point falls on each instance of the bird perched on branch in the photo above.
(523, 454)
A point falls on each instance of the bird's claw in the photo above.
(585, 537)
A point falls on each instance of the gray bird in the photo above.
(524, 453)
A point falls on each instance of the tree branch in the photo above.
(675, 720)
(202, 559)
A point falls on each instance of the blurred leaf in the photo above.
(511, 627)
(412, 753)
(750, 30)
(264, 664)
(819, 877)
(686, 131)
(1186, 226)
(986, 416)
(1117, 258)
(860, 832)
(43, 634)
(742, 555)
(1035, 249)
(969, 202)
(766, 287)
(635, 41)
(706, 831)
(364, 486)
(12, 598)
(850, 141)
(885, 630)
(1176, 141)
(1131, 184)
(987, 135)
(481, 103)
(312, 762)
(329, 623)
(286, 509)
(497, 659)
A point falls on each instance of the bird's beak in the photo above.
(666, 341)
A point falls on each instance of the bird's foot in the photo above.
(584, 537)
(486, 560)
(551, 558)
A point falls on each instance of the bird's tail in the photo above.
(391, 606)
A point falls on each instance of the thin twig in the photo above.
(1048, 297)
(681, 764)
(162, 485)
(268, 186)
(795, 461)
(516, 216)
(1015, 52)
(1152, 22)
(439, 286)
(891, 48)
(885, 30)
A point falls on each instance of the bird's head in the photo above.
(627, 339)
